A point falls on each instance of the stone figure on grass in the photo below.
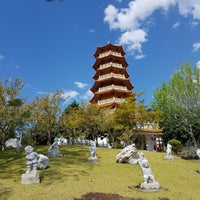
(14, 143)
(128, 155)
(169, 152)
(198, 153)
(92, 150)
(149, 181)
(31, 176)
(54, 150)
(43, 162)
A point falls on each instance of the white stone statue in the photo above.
(169, 152)
(129, 154)
(54, 150)
(43, 161)
(149, 180)
(31, 176)
(198, 153)
(31, 159)
(92, 150)
(15, 143)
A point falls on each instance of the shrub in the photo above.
(189, 153)
(176, 145)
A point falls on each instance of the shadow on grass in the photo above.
(5, 192)
(66, 166)
(13, 164)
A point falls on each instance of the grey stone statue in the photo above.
(54, 150)
(169, 152)
(92, 150)
(149, 180)
(31, 159)
(198, 153)
(129, 154)
(31, 176)
(43, 161)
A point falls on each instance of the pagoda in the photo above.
(112, 84)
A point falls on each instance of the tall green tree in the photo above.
(179, 103)
(45, 112)
(92, 120)
(13, 115)
(129, 117)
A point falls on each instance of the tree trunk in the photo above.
(192, 135)
(3, 142)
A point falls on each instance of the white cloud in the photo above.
(135, 17)
(189, 7)
(196, 47)
(88, 95)
(198, 64)
(1, 57)
(194, 23)
(130, 21)
(80, 84)
(139, 56)
(176, 25)
(91, 30)
(133, 39)
(70, 94)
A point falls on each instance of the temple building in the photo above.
(112, 84)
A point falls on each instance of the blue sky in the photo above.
(50, 45)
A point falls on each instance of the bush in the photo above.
(189, 153)
(176, 145)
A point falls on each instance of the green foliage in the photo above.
(176, 145)
(178, 101)
(12, 111)
(44, 115)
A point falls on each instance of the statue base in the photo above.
(30, 178)
(93, 159)
(150, 186)
(169, 158)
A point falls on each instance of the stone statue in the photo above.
(31, 159)
(43, 161)
(92, 150)
(149, 180)
(15, 143)
(198, 153)
(54, 150)
(128, 155)
(31, 176)
(169, 152)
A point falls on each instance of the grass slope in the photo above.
(72, 176)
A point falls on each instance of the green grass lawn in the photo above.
(72, 176)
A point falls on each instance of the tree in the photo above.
(45, 113)
(179, 103)
(13, 115)
(92, 120)
(129, 117)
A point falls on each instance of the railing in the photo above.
(103, 66)
(101, 55)
(112, 87)
(106, 76)
(111, 100)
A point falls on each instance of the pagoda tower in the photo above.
(112, 84)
